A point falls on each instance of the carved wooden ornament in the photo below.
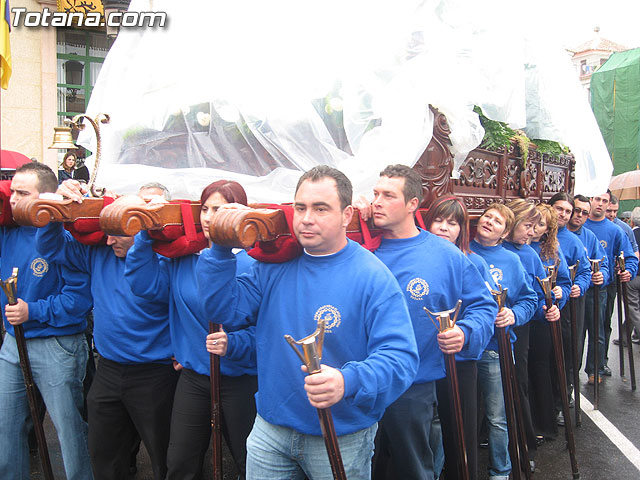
(127, 219)
(36, 212)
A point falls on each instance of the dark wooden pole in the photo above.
(575, 359)
(508, 385)
(596, 341)
(331, 443)
(456, 413)
(216, 440)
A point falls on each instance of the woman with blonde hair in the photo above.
(545, 243)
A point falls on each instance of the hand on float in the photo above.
(452, 340)
(505, 317)
(17, 314)
(364, 207)
(553, 314)
(73, 190)
(575, 291)
(325, 388)
(217, 343)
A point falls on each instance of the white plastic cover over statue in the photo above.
(259, 91)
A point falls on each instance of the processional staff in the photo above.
(620, 262)
(547, 286)
(216, 435)
(10, 287)
(311, 357)
(573, 269)
(444, 323)
(595, 268)
(510, 394)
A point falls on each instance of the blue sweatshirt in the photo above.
(57, 295)
(614, 241)
(628, 232)
(369, 335)
(127, 329)
(507, 270)
(574, 250)
(563, 280)
(594, 250)
(189, 324)
(534, 268)
(434, 273)
(483, 269)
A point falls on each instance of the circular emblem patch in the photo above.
(330, 315)
(39, 267)
(418, 288)
(604, 244)
(496, 273)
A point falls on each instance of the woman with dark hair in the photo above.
(448, 218)
(68, 167)
(541, 371)
(526, 218)
(152, 277)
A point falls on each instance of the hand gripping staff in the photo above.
(515, 425)
(620, 263)
(10, 287)
(595, 268)
(573, 269)
(216, 439)
(547, 285)
(444, 323)
(311, 356)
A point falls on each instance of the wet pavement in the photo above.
(599, 454)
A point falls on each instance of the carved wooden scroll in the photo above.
(36, 212)
(243, 228)
(127, 219)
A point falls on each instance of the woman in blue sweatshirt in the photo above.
(448, 218)
(526, 217)
(507, 271)
(189, 323)
(542, 374)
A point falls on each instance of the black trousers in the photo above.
(468, 384)
(124, 399)
(191, 421)
(543, 410)
(521, 357)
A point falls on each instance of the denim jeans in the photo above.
(490, 385)
(588, 324)
(275, 452)
(58, 366)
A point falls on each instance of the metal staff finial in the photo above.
(552, 272)
(546, 285)
(311, 349)
(500, 295)
(10, 286)
(445, 322)
(620, 262)
(595, 264)
(573, 270)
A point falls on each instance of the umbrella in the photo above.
(10, 160)
(626, 186)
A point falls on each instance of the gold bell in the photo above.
(62, 138)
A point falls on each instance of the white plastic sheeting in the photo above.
(259, 91)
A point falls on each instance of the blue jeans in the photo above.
(58, 365)
(588, 326)
(275, 452)
(490, 384)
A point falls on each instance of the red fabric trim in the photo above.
(87, 230)
(6, 217)
(179, 240)
(283, 248)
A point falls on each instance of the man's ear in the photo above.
(413, 205)
(347, 215)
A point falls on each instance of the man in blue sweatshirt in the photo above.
(53, 300)
(135, 380)
(369, 357)
(434, 274)
(581, 210)
(614, 241)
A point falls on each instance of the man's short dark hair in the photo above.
(47, 181)
(581, 198)
(561, 197)
(613, 200)
(343, 184)
(412, 181)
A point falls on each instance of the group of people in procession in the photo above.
(383, 366)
